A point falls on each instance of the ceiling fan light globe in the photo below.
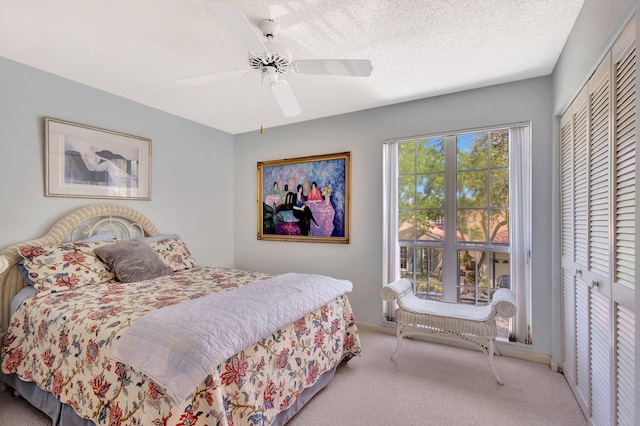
(270, 75)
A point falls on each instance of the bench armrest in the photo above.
(504, 303)
(396, 290)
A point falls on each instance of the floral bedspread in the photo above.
(62, 341)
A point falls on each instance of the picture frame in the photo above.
(305, 199)
(89, 162)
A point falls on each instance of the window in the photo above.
(450, 215)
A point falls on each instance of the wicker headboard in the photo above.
(123, 221)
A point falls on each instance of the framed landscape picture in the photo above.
(305, 199)
(83, 161)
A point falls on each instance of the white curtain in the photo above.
(391, 250)
(520, 226)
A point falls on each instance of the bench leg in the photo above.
(399, 344)
(493, 368)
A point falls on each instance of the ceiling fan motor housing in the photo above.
(278, 56)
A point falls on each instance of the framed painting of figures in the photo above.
(305, 199)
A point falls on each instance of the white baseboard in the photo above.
(510, 349)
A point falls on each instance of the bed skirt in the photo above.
(64, 415)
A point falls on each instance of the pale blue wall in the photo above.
(597, 26)
(363, 134)
(192, 181)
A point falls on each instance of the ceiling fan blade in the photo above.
(348, 67)
(239, 25)
(284, 95)
(206, 78)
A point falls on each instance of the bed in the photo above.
(85, 345)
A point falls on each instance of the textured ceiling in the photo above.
(418, 48)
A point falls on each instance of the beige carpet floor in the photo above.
(428, 384)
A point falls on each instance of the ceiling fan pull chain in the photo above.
(261, 108)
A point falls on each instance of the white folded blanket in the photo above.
(179, 345)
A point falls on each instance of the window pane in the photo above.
(429, 272)
(500, 226)
(406, 225)
(474, 276)
(422, 288)
(499, 188)
(406, 192)
(430, 156)
(403, 258)
(472, 189)
(500, 149)
(472, 151)
(429, 264)
(425, 290)
(430, 190)
(430, 225)
(500, 271)
(473, 225)
(407, 263)
(407, 158)
(435, 291)
(468, 267)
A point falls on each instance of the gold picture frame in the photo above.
(305, 199)
(88, 162)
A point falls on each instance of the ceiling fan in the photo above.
(273, 60)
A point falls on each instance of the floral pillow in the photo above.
(67, 266)
(174, 253)
(102, 236)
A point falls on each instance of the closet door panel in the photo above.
(624, 231)
(583, 350)
(599, 172)
(569, 325)
(574, 221)
(600, 361)
(598, 238)
(569, 338)
(625, 366)
(624, 181)
(566, 190)
(580, 184)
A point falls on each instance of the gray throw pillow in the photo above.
(133, 260)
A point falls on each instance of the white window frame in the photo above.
(519, 221)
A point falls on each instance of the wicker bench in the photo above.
(465, 323)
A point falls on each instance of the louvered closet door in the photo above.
(574, 179)
(586, 260)
(597, 278)
(598, 192)
(573, 127)
(568, 276)
(624, 207)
